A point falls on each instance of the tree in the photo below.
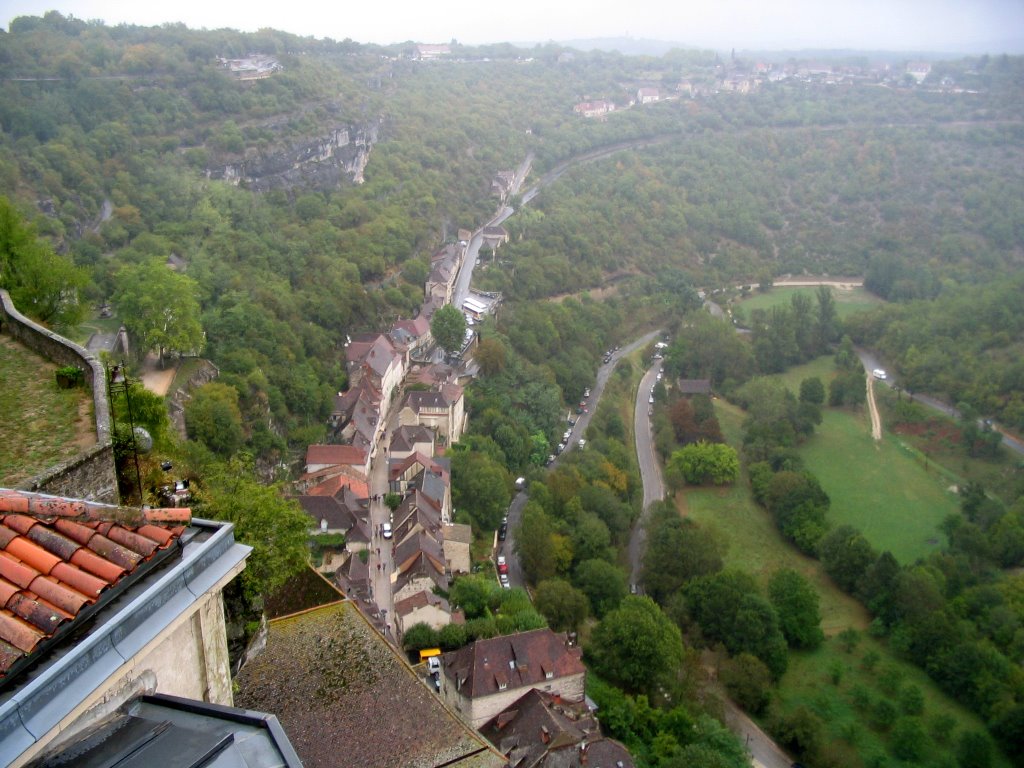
(474, 594)
(159, 307)
(846, 555)
(564, 606)
(604, 585)
(729, 610)
(448, 327)
(703, 462)
(796, 603)
(677, 551)
(812, 391)
(419, 636)
(535, 544)
(636, 646)
(42, 284)
(490, 354)
(213, 418)
(274, 526)
(480, 488)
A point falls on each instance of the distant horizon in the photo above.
(956, 27)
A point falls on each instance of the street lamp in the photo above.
(119, 379)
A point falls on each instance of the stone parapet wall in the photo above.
(91, 474)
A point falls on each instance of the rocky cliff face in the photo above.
(329, 161)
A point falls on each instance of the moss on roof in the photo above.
(345, 697)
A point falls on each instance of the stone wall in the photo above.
(91, 474)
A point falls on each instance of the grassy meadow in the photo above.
(856, 691)
(848, 301)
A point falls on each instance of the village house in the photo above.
(542, 730)
(457, 538)
(322, 459)
(410, 439)
(431, 51)
(494, 236)
(484, 678)
(102, 605)
(599, 108)
(647, 95)
(501, 185)
(414, 335)
(442, 410)
(427, 608)
(419, 566)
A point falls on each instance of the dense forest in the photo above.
(129, 149)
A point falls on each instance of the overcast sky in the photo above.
(993, 26)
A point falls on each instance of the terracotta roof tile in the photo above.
(79, 580)
(97, 566)
(57, 556)
(18, 632)
(65, 598)
(7, 591)
(32, 554)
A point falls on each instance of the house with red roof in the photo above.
(484, 678)
(100, 605)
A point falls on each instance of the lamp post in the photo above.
(118, 378)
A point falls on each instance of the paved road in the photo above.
(515, 511)
(871, 362)
(650, 469)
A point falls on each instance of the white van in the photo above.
(879, 373)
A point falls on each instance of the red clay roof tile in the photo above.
(79, 580)
(58, 555)
(46, 618)
(8, 655)
(18, 632)
(20, 523)
(15, 571)
(135, 541)
(60, 595)
(114, 552)
(53, 542)
(7, 591)
(89, 561)
(32, 554)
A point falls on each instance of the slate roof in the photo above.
(405, 438)
(421, 600)
(419, 400)
(327, 508)
(54, 568)
(541, 729)
(328, 675)
(421, 567)
(483, 664)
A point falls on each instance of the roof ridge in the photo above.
(48, 508)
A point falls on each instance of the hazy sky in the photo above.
(934, 25)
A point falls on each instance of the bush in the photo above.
(908, 739)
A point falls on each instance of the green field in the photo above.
(836, 685)
(847, 301)
(879, 488)
(43, 425)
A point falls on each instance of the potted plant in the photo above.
(69, 376)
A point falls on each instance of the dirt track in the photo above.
(876, 421)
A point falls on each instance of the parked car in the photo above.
(502, 531)
(385, 530)
(583, 443)
(503, 578)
